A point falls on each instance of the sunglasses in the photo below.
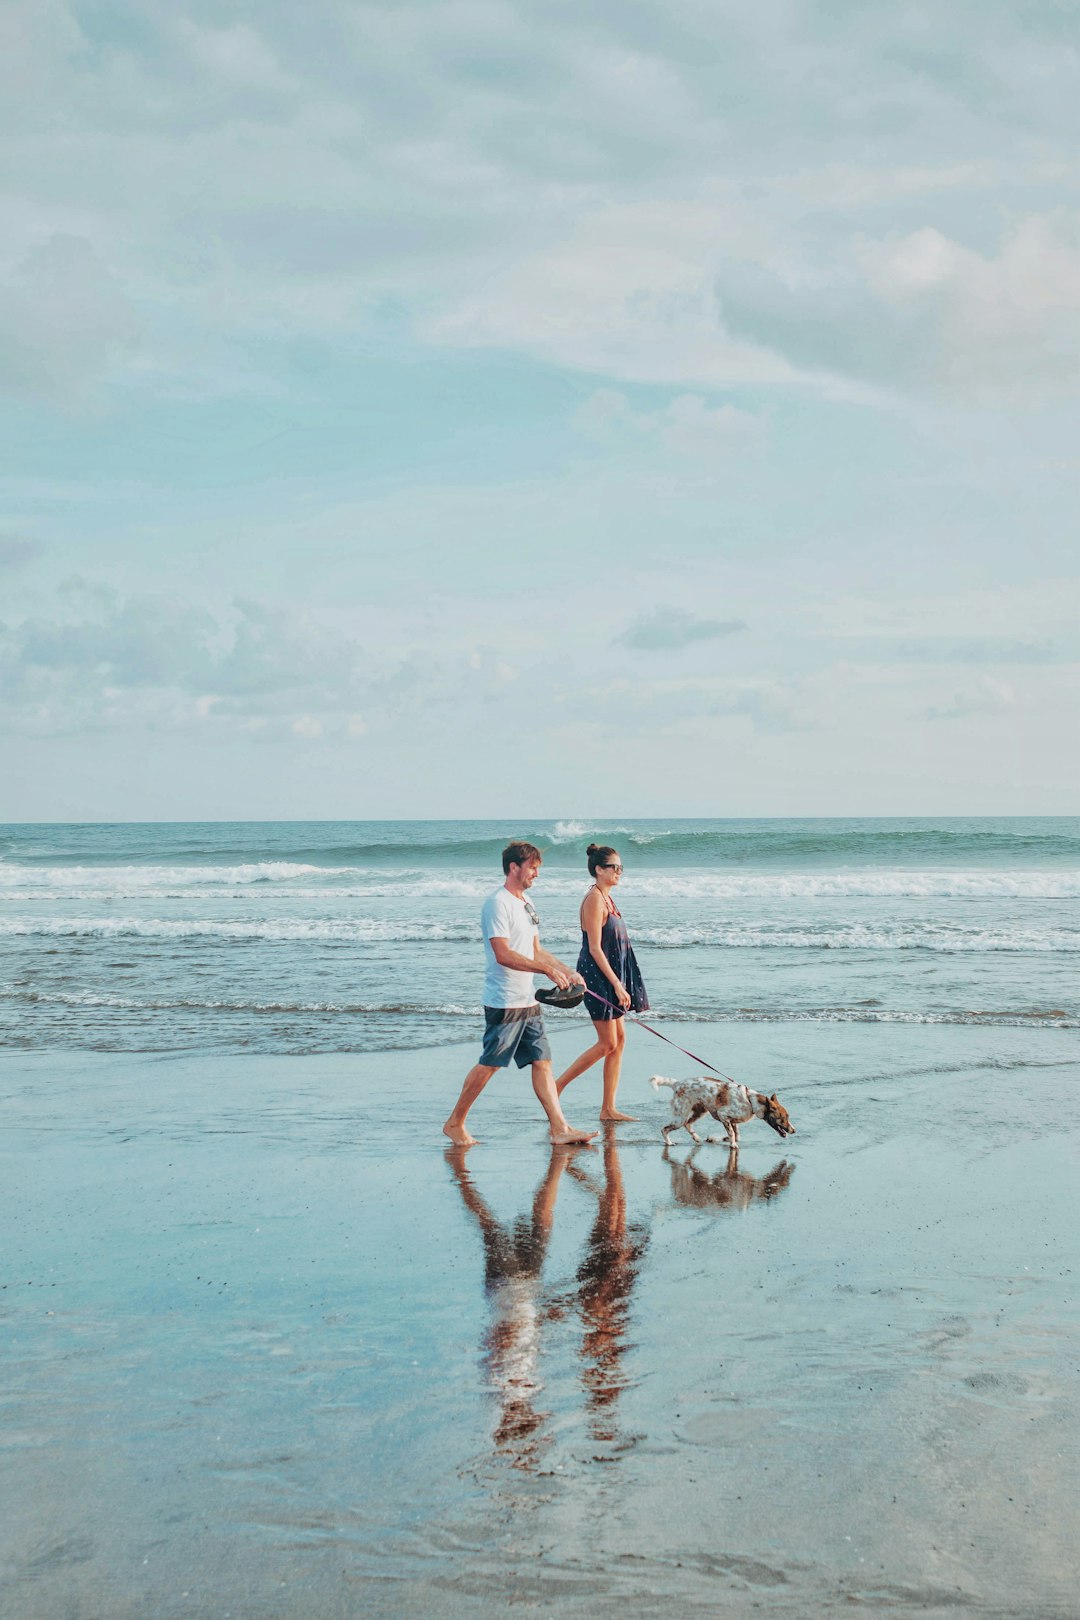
(531, 913)
(611, 866)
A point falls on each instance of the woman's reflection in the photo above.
(606, 1280)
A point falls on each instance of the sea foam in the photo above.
(20, 883)
(892, 936)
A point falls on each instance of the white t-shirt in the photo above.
(504, 917)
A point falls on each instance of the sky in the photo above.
(490, 409)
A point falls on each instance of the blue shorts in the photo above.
(514, 1034)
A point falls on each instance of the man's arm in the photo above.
(541, 962)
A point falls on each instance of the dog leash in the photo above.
(634, 1020)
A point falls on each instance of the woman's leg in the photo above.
(612, 1071)
(606, 1042)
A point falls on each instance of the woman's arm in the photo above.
(593, 914)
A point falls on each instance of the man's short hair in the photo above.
(518, 853)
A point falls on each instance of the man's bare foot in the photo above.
(614, 1114)
(567, 1137)
(458, 1135)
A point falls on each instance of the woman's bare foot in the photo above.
(458, 1135)
(613, 1113)
(567, 1137)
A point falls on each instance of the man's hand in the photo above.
(560, 974)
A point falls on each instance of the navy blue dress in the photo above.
(616, 946)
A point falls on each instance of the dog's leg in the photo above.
(727, 1140)
(695, 1113)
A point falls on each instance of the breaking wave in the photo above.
(898, 936)
(377, 1020)
(22, 884)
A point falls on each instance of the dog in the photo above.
(726, 1101)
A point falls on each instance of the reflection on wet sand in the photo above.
(601, 1295)
(606, 1280)
(514, 1257)
(729, 1188)
(513, 1262)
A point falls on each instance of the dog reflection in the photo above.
(606, 1279)
(730, 1188)
(513, 1261)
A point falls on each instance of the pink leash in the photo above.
(656, 1032)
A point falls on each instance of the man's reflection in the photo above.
(513, 1260)
(729, 1188)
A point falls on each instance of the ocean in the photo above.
(298, 937)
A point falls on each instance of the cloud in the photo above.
(994, 327)
(669, 629)
(686, 427)
(770, 705)
(487, 660)
(630, 292)
(106, 660)
(977, 650)
(152, 641)
(982, 611)
(15, 552)
(66, 321)
(660, 193)
(954, 649)
(723, 291)
(161, 657)
(987, 696)
(921, 311)
(308, 726)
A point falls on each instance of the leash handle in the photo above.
(656, 1032)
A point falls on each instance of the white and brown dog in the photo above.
(726, 1101)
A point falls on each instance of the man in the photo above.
(514, 1028)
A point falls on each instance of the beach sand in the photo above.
(269, 1349)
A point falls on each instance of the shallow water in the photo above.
(364, 936)
(270, 1350)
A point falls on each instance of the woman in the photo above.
(612, 981)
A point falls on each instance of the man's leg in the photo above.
(475, 1081)
(544, 1085)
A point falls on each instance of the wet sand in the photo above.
(270, 1349)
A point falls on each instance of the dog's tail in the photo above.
(658, 1080)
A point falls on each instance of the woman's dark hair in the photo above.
(598, 855)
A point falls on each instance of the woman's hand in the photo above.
(622, 996)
